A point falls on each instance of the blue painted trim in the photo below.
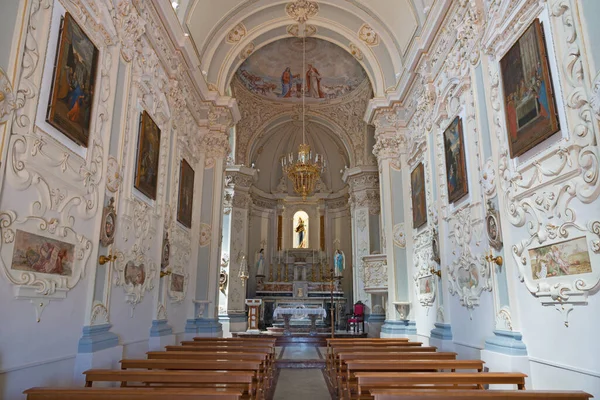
(160, 328)
(203, 325)
(376, 318)
(404, 327)
(441, 331)
(506, 342)
(96, 338)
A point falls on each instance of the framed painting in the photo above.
(456, 164)
(419, 203)
(72, 94)
(570, 257)
(135, 274)
(186, 194)
(492, 227)
(529, 103)
(146, 168)
(35, 253)
(177, 283)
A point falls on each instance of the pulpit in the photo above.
(253, 314)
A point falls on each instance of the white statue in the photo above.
(260, 263)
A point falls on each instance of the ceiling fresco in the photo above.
(276, 71)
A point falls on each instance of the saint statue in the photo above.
(338, 261)
(300, 230)
(260, 263)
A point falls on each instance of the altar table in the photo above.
(288, 313)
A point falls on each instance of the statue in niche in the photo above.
(338, 262)
(260, 263)
(282, 187)
(300, 226)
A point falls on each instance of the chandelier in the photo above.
(302, 168)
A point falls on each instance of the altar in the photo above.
(299, 311)
(299, 278)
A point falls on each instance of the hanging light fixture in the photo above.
(302, 168)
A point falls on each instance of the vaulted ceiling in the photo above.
(385, 36)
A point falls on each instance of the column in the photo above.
(364, 211)
(238, 180)
(388, 150)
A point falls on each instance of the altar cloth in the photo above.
(279, 311)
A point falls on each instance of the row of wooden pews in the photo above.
(397, 369)
(205, 368)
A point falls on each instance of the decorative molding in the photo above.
(205, 234)
(7, 98)
(302, 10)
(247, 51)
(114, 176)
(368, 35)
(375, 273)
(309, 30)
(399, 235)
(236, 34)
(355, 51)
(176, 295)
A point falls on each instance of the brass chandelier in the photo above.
(301, 168)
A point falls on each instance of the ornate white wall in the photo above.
(542, 327)
(54, 188)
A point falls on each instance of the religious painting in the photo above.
(277, 71)
(570, 257)
(186, 194)
(419, 203)
(492, 225)
(177, 281)
(456, 164)
(72, 94)
(146, 176)
(426, 285)
(300, 230)
(468, 278)
(109, 224)
(35, 253)
(135, 274)
(528, 95)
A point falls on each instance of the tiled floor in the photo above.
(301, 384)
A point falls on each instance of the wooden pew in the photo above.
(332, 342)
(266, 368)
(236, 339)
(240, 380)
(374, 347)
(368, 381)
(342, 357)
(428, 394)
(347, 383)
(262, 382)
(43, 393)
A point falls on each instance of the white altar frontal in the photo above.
(299, 279)
(299, 312)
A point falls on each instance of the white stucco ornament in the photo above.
(368, 35)
(236, 34)
(114, 178)
(399, 235)
(302, 10)
(7, 100)
(488, 178)
(205, 234)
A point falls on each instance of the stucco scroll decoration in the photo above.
(136, 273)
(302, 10)
(130, 27)
(399, 235)
(538, 194)
(7, 98)
(469, 275)
(249, 49)
(309, 30)
(375, 274)
(425, 282)
(100, 315)
(355, 51)
(22, 261)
